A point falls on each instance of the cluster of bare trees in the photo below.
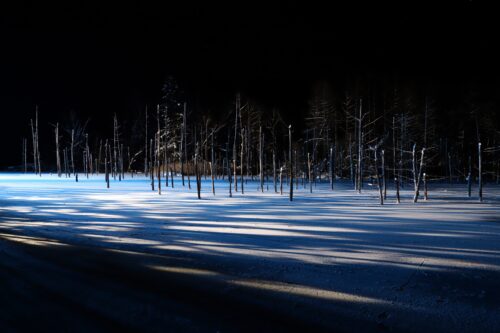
(343, 137)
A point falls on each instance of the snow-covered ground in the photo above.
(328, 260)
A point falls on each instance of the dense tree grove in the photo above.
(390, 137)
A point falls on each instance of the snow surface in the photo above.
(334, 259)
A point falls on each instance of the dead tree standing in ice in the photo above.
(58, 157)
(377, 175)
(25, 157)
(235, 147)
(212, 162)
(151, 164)
(290, 160)
(106, 169)
(274, 173)
(417, 171)
(261, 159)
(384, 183)
(146, 144)
(158, 149)
(359, 119)
(242, 155)
(480, 172)
(36, 151)
(197, 170)
(310, 173)
(330, 167)
(469, 178)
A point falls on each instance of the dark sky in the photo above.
(100, 59)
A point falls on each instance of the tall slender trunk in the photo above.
(426, 196)
(360, 147)
(146, 150)
(480, 172)
(241, 159)
(469, 178)
(151, 167)
(377, 175)
(235, 147)
(197, 171)
(212, 163)
(58, 157)
(274, 173)
(290, 163)
(261, 159)
(417, 174)
(384, 183)
(310, 174)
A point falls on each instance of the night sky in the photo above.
(100, 59)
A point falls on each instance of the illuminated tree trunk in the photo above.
(58, 157)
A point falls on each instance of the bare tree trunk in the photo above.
(72, 151)
(98, 166)
(35, 160)
(480, 175)
(58, 157)
(151, 168)
(396, 182)
(38, 145)
(330, 171)
(394, 175)
(197, 171)
(418, 175)
(295, 163)
(261, 159)
(351, 162)
(181, 147)
(384, 183)
(469, 178)
(235, 143)
(274, 173)
(87, 155)
(229, 178)
(212, 163)
(310, 174)
(65, 161)
(158, 148)
(380, 191)
(106, 170)
(146, 150)
(290, 160)
(426, 196)
(241, 159)
(281, 180)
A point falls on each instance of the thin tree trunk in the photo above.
(330, 171)
(274, 173)
(418, 175)
(290, 160)
(426, 196)
(241, 159)
(396, 182)
(384, 183)
(281, 180)
(58, 157)
(146, 150)
(480, 175)
(380, 191)
(151, 168)
(212, 164)
(310, 174)
(469, 178)
(261, 159)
